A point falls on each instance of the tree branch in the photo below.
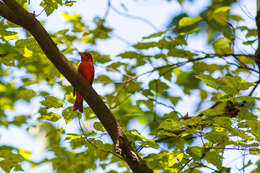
(8, 14)
(257, 54)
(29, 22)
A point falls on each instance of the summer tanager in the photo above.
(86, 68)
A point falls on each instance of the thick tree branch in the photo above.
(258, 32)
(122, 146)
(8, 14)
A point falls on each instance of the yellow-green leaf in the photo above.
(25, 153)
(98, 126)
(187, 21)
(71, 18)
(180, 157)
(220, 14)
(27, 53)
(50, 117)
(11, 37)
(51, 101)
(222, 46)
(171, 159)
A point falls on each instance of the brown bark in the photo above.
(12, 11)
(257, 54)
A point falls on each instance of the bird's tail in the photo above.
(78, 105)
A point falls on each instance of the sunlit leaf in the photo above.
(70, 18)
(221, 13)
(145, 45)
(187, 21)
(222, 46)
(195, 152)
(69, 115)
(25, 153)
(27, 52)
(50, 117)
(50, 5)
(98, 126)
(51, 101)
(11, 37)
(214, 158)
(171, 159)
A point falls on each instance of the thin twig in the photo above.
(183, 166)
(252, 91)
(107, 10)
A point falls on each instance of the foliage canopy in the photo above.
(224, 76)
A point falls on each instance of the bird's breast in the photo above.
(87, 70)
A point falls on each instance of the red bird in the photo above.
(86, 68)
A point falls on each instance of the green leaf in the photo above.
(188, 80)
(216, 137)
(171, 159)
(251, 33)
(150, 143)
(158, 86)
(189, 30)
(210, 81)
(115, 65)
(50, 102)
(157, 34)
(180, 157)
(26, 94)
(174, 100)
(30, 44)
(27, 53)
(50, 117)
(166, 72)
(255, 151)
(71, 18)
(169, 124)
(214, 158)
(182, 53)
(145, 45)
(10, 160)
(220, 14)
(20, 120)
(235, 17)
(101, 58)
(201, 67)
(187, 21)
(248, 98)
(195, 152)
(244, 114)
(26, 154)
(50, 5)
(164, 44)
(131, 55)
(145, 141)
(8, 60)
(233, 84)
(246, 60)
(10, 37)
(249, 42)
(222, 46)
(133, 87)
(104, 79)
(98, 126)
(69, 115)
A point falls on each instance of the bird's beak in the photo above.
(81, 53)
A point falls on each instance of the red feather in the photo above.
(86, 68)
